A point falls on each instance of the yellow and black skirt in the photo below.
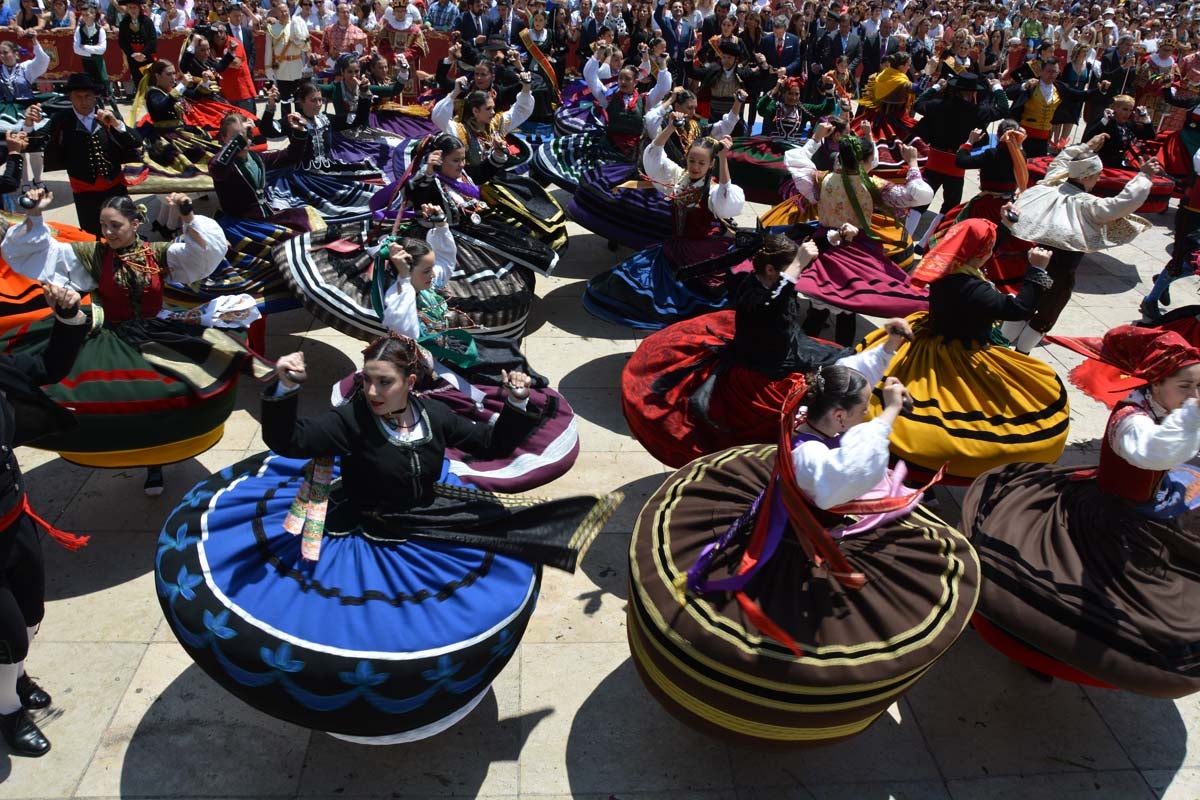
(975, 408)
(707, 663)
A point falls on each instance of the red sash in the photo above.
(70, 541)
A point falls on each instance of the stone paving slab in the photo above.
(569, 717)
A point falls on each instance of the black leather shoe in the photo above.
(23, 736)
(32, 696)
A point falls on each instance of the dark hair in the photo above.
(125, 207)
(343, 61)
(485, 65)
(833, 388)
(777, 251)
(898, 60)
(158, 68)
(305, 88)
(227, 122)
(416, 248)
(473, 101)
(682, 97)
(633, 73)
(1008, 124)
(369, 61)
(400, 351)
(1050, 62)
(446, 143)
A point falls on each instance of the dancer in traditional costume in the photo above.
(949, 112)
(1061, 213)
(565, 159)
(858, 277)
(351, 96)
(975, 406)
(481, 128)
(887, 100)
(407, 591)
(27, 415)
(253, 218)
(496, 253)
(1090, 574)
(402, 108)
(467, 368)
(92, 143)
(1129, 131)
(17, 81)
(335, 189)
(614, 202)
(1003, 174)
(719, 380)
(201, 85)
(150, 387)
(788, 595)
(175, 155)
(687, 274)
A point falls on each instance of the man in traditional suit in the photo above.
(781, 48)
(91, 143)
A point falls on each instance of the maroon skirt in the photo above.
(859, 277)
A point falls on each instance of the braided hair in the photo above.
(832, 388)
(401, 352)
(777, 251)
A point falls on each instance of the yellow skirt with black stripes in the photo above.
(708, 665)
(896, 241)
(975, 408)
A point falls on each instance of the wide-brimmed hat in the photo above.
(79, 82)
(967, 82)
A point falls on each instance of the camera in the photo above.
(229, 152)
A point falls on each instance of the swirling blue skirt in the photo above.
(379, 641)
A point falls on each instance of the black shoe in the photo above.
(1149, 311)
(23, 736)
(32, 696)
(154, 482)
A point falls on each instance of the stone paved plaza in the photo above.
(569, 718)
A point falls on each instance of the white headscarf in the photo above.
(1085, 167)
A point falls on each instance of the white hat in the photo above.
(1085, 167)
(1108, 11)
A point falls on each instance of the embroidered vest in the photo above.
(1118, 477)
(1037, 112)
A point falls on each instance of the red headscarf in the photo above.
(1148, 354)
(1127, 358)
(970, 240)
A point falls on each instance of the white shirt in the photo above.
(1152, 445)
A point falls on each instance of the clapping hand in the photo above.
(107, 118)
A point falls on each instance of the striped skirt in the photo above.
(133, 412)
(564, 160)
(337, 287)
(973, 408)
(862, 650)
(635, 216)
